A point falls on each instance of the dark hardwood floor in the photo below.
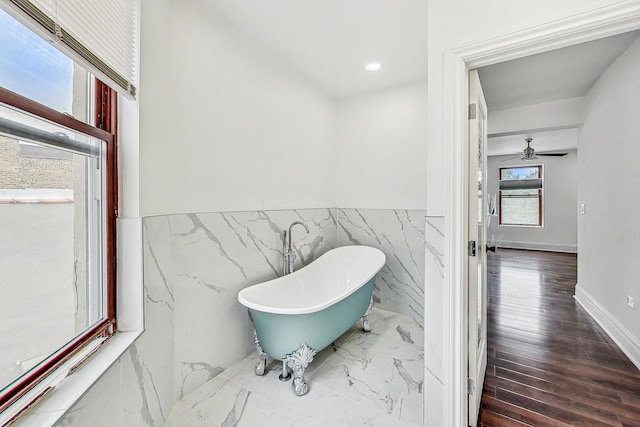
(549, 363)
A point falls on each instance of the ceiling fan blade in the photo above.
(552, 154)
(511, 158)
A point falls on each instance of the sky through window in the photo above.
(34, 68)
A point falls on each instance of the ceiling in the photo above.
(550, 76)
(559, 74)
(330, 41)
(543, 142)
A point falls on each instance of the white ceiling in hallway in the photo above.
(543, 142)
(331, 41)
(559, 74)
(550, 76)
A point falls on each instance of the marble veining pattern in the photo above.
(372, 379)
(144, 365)
(400, 235)
(434, 243)
(435, 359)
(194, 265)
(216, 255)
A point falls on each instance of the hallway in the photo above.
(549, 363)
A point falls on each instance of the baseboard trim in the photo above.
(629, 344)
(538, 246)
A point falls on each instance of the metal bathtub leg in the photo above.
(285, 375)
(264, 359)
(366, 325)
(298, 362)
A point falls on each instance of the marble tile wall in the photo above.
(120, 390)
(400, 235)
(216, 255)
(434, 344)
(151, 358)
(194, 266)
(138, 384)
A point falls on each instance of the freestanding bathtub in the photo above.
(297, 315)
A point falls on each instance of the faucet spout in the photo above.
(287, 253)
(291, 226)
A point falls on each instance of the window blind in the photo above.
(100, 34)
(521, 184)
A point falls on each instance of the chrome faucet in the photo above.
(287, 250)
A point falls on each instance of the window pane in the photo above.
(515, 193)
(520, 173)
(50, 242)
(520, 210)
(33, 68)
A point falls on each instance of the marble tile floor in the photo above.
(363, 379)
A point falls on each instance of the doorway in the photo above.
(537, 332)
(532, 41)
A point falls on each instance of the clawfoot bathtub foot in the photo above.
(261, 365)
(264, 359)
(366, 325)
(300, 387)
(298, 362)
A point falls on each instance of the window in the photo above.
(521, 196)
(57, 209)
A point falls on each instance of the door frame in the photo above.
(596, 24)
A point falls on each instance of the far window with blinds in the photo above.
(521, 192)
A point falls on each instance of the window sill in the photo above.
(521, 225)
(70, 390)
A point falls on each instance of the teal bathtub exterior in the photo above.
(301, 313)
(281, 334)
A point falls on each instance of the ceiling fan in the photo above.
(530, 154)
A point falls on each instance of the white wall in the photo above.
(560, 230)
(609, 231)
(225, 126)
(381, 157)
(155, 107)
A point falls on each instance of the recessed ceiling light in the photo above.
(374, 66)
